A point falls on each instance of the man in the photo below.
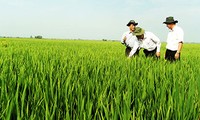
(174, 40)
(150, 42)
(130, 41)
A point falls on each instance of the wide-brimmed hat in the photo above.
(132, 22)
(138, 31)
(170, 20)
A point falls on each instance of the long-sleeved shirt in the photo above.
(131, 41)
(150, 42)
(175, 36)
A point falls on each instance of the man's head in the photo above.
(132, 24)
(139, 33)
(170, 22)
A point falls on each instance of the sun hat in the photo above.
(170, 20)
(138, 31)
(132, 22)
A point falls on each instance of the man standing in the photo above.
(129, 40)
(150, 42)
(174, 40)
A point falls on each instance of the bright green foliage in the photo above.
(83, 80)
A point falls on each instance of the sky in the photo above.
(96, 19)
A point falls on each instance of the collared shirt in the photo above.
(150, 42)
(131, 41)
(175, 36)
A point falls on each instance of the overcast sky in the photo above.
(96, 19)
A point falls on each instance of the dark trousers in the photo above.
(128, 50)
(170, 55)
(150, 53)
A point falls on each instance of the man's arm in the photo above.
(134, 49)
(180, 44)
(123, 39)
(156, 40)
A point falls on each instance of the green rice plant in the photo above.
(69, 79)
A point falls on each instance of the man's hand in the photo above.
(158, 54)
(177, 55)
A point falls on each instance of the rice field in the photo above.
(85, 80)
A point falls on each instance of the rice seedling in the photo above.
(57, 79)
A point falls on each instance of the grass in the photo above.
(57, 79)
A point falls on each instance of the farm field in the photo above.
(84, 80)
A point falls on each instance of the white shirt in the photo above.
(175, 36)
(150, 42)
(131, 41)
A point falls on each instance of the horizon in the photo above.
(79, 39)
